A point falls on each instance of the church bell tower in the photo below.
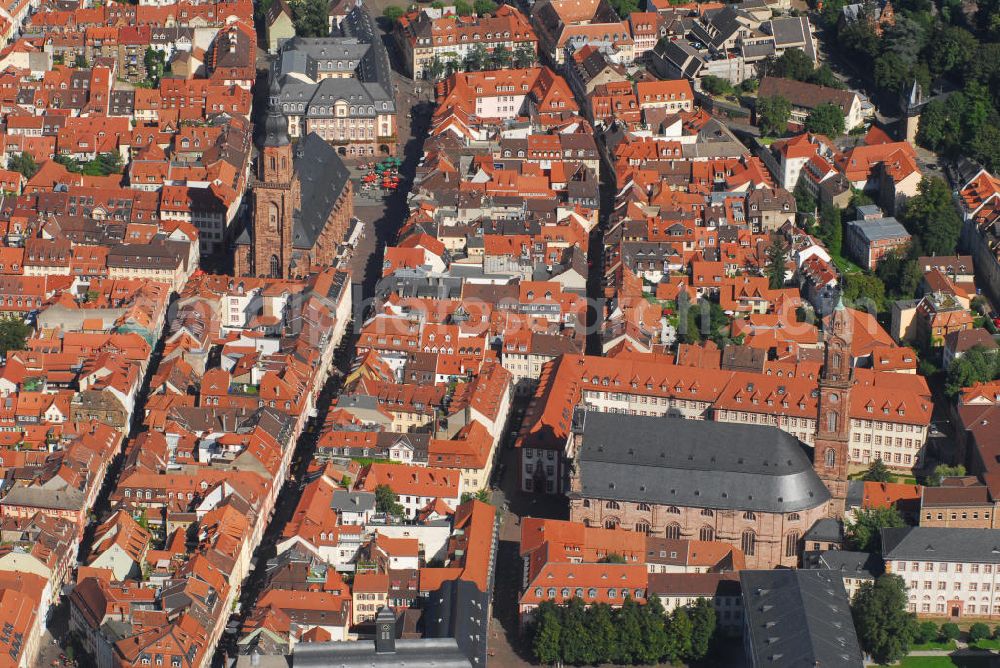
(833, 423)
(275, 195)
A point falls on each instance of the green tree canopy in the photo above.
(387, 501)
(23, 163)
(979, 631)
(932, 217)
(484, 7)
(885, 628)
(976, 365)
(826, 119)
(393, 12)
(864, 290)
(703, 627)
(311, 18)
(773, 114)
(942, 471)
(13, 334)
(714, 85)
(950, 631)
(877, 472)
(777, 254)
(926, 632)
(864, 530)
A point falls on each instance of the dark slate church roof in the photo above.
(323, 176)
(695, 463)
(420, 653)
(799, 618)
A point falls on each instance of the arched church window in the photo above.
(275, 267)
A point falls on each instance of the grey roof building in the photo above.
(981, 546)
(865, 565)
(798, 618)
(694, 463)
(342, 77)
(353, 502)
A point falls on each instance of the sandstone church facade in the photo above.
(752, 486)
(302, 203)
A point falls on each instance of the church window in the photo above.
(831, 458)
(275, 267)
(831, 421)
(748, 543)
(791, 544)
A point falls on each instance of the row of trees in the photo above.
(479, 58)
(774, 112)
(928, 44)
(636, 633)
(887, 631)
(104, 164)
(977, 365)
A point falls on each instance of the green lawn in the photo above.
(988, 643)
(946, 662)
(949, 645)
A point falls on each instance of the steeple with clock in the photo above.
(833, 423)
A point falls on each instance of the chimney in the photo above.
(385, 631)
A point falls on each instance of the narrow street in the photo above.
(382, 223)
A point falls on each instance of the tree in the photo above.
(885, 629)
(625, 7)
(484, 7)
(950, 631)
(831, 229)
(502, 57)
(23, 163)
(776, 254)
(865, 287)
(601, 630)
(387, 501)
(524, 56)
(926, 632)
(826, 119)
(714, 85)
(703, 625)
(393, 13)
(979, 631)
(772, 115)
(805, 201)
(864, 531)
(976, 365)
(154, 61)
(655, 639)
(80, 61)
(942, 471)
(932, 217)
(901, 274)
(613, 558)
(547, 633)
(476, 59)
(311, 18)
(681, 636)
(950, 49)
(877, 472)
(793, 64)
(463, 8)
(13, 334)
(630, 641)
(575, 646)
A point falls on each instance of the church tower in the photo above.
(833, 423)
(276, 196)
